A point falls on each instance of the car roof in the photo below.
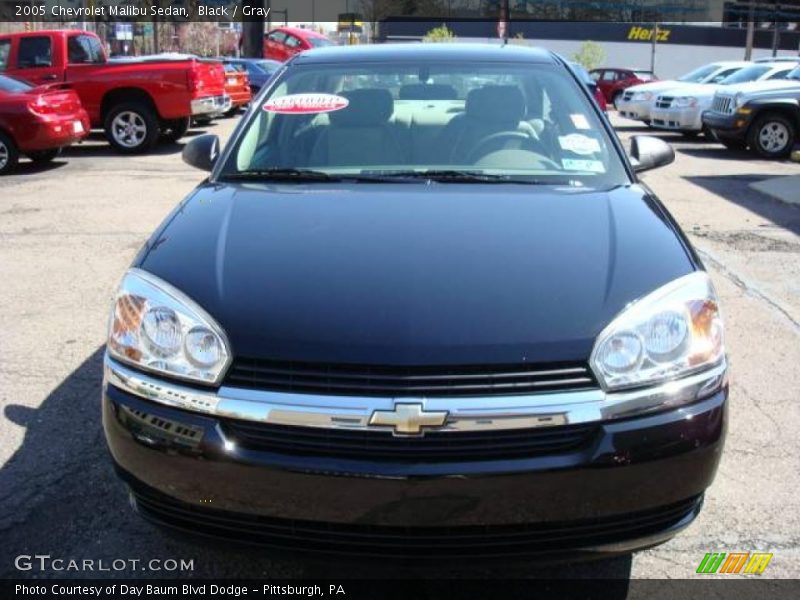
(298, 31)
(404, 52)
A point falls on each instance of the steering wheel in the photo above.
(520, 139)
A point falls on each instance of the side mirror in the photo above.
(202, 152)
(650, 152)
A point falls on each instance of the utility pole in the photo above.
(653, 42)
(776, 32)
(253, 32)
(751, 28)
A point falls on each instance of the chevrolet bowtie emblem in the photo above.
(408, 419)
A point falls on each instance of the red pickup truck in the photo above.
(134, 101)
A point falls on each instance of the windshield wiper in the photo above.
(307, 175)
(290, 174)
(460, 176)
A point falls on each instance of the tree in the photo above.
(439, 34)
(591, 55)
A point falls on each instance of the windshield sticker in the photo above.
(592, 166)
(303, 104)
(579, 121)
(579, 144)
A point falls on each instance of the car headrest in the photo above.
(496, 103)
(368, 108)
(425, 91)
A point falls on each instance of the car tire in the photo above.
(44, 156)
(174, 129)
(132, 127)
(203, 122)
(9, 155)
(772, 136)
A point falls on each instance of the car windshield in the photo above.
(700, 74)
(319, 42)
(444, 121)
(794, 74)
(12, 84)
(747, 74)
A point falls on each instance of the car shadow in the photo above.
(59, 495)
(28, 167)
(736, 189)
(718, 151)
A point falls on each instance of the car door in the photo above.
(274, 47)
(293, 45)
(33, 59)
(607, 83)
(84, 53)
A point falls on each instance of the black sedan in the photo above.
(421, 307)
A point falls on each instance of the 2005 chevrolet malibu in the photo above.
(421, 307)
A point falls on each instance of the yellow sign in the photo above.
(645, 34)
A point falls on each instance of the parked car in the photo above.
(612, 82)
(480, 335)
(681, 108)
(134, 100)
(637, 101)
(37, 121)
(762, 115)
(284, 42)
(259, 70)
(590, 83)
(772, 59)
(237, 87)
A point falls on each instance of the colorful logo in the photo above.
(306, 104)
(747, 563)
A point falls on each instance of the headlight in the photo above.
(738, 100)
(643, 96)
(672, 332)
(686, 101)
(155, 327)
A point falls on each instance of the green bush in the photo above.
(439, 34)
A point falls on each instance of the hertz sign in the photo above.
(645, 34)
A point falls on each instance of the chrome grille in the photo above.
(664, 101)
(722, 104)
(394, 381)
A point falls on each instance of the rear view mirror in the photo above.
(649, 152)
(202, 152)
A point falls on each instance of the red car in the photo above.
(284, 42)
(237, 86)
(135, 100)
(37, 121)
(612, 82)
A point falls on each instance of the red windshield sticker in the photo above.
(295, 104)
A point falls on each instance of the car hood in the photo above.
(413, 273)
(698, 90)
(754, 87)
(656, 86)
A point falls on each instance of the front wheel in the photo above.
(9, 155)
(772, 136)
(44, 156)
(175, 129)
(132, 128)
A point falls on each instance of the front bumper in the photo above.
(677, 119)
(636, 110)
(631, 483)
(728, 126)
(211, 105)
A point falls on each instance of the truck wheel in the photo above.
(175, 129)
(9, 155)
(771, 136)
(44, 156)
(131, 128)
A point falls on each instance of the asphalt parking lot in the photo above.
(69, 230)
